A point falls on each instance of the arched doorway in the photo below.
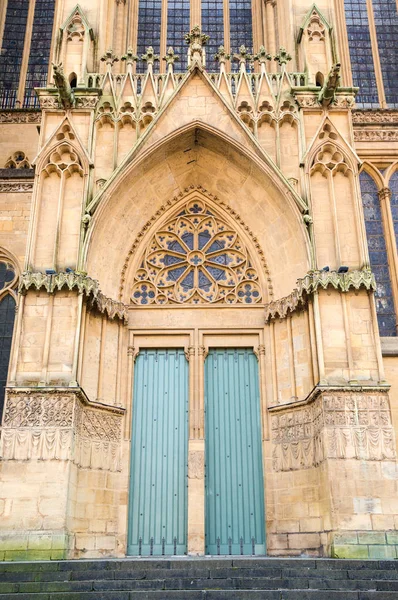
(194, 267)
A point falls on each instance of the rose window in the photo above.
(197, 258)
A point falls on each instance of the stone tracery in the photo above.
(196, 258)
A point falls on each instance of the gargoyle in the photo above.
(63, 86)
(327, 94)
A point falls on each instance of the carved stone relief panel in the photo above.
(336, 425)
(56, 425)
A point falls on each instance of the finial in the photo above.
(242, 57)
(109, 58)
(196, 40)
(221, 55)
(262, 55)
(129, 57)
(170, 57)
(282, 57)
(149, 57)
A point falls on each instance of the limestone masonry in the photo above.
(198, 278)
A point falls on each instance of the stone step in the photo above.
(208, 595)
(196, 563)
(218, 578)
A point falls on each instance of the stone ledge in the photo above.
(389, 346)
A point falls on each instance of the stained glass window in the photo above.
(196, 258)
(178, 24)
(394, 203)
(241, 27)
(39, 50)
(149, 24)
(378, 255)
(12, 51)
(362, 66)
(386, 21)
(7, 316)
(213, 25)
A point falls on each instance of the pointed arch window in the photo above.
(378, 256)
(372, 32)
(394, 203)
(25, 51)
(196, 257)
(8, 281)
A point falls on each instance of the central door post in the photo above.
(196, 454)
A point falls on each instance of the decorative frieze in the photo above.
(83, 284)
(61, 425)
(20, 117)
(368, 117)
(16, 187)
(312, 282)
(335, 424)
(376, 135)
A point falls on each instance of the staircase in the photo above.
(197, 578)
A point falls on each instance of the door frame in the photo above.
(196, 342)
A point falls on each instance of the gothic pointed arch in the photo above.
(338, 155)
(161, 127)
(64, 135)
(195, 155)
(9, 276)
(197, 252)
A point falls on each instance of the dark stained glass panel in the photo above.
(394, 203)
(7, 316)
(213, 25)
(241, 26)
(12, 51)
(386, 21)
(362, 66)
(149, 23)
(178, 24)
(378, 255)
(39, 50)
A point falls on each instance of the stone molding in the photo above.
(20, 117)
(368, 117)
(309, 99)
(83, 284)
(16, 187)
(336, 423)
(375, 125)
(311, 283)
(61, 424)
(375, 135)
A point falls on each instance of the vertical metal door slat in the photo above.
(159, 454)
(235, 517)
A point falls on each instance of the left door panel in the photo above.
(159, 455)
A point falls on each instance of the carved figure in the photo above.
(66, 96)
(327, 95)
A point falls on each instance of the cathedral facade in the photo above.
(198, 278)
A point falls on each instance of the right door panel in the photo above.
(235, 522)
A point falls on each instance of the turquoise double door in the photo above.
(158, 501)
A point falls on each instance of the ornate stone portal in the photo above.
(195, 209)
